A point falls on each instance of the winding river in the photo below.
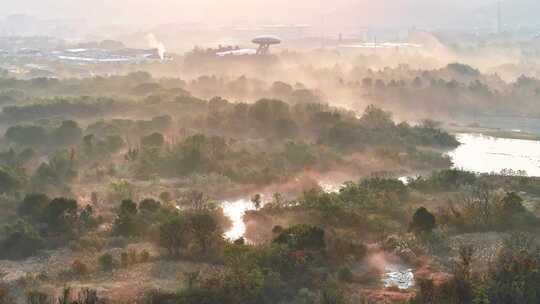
(478, 153)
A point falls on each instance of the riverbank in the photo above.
(494, 132)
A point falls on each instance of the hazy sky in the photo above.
(149, 12)
(145, 13)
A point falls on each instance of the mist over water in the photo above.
(235, 211)
(486, 154)
(367, 152)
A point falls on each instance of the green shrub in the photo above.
(20, 240)
(302, 237)
(423, 221)
(345, 274)
(107, 262)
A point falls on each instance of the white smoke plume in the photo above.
(155, 43)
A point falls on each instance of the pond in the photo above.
(486, 154)
(398, 275)
(235, 211)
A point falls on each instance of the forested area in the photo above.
(124, 181)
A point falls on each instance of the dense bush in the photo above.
(67, 296)
(279, 272)
(20, 240)
(107, 262)
(61, 219)
(193, 232)
(67, 133)
(447, 180)
(423, 221)
(513, 277)
(482, 208)
(10, 180)
(302, 237)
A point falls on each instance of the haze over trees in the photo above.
(324, 172)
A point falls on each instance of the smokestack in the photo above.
(156, 44)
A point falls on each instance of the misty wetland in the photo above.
(270, 152)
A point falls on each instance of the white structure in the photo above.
(264, 43)
(239, 52)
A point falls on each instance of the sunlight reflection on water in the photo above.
(477, 153)
(486, 154)
(398, 276)
(235, 211)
